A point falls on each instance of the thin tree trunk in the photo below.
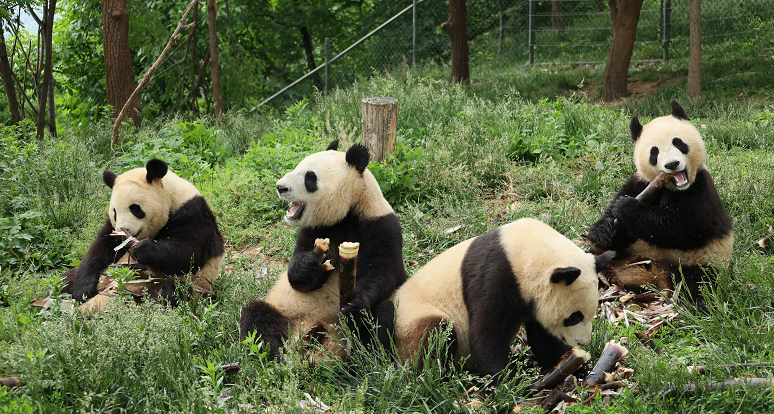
(50, 68)
(217, 89)
(557, 18)
(502, 28)
(456, 27)
(7, 74)
(624, 15)
(119, 73)
(694, 62)
(306, 39)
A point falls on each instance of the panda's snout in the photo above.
(281, 189)
(672, 166)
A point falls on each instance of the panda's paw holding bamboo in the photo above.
(625, 207)
(601, 232)
(306, 273)
(145, 251)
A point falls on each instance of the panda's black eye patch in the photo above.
(654, 156)
(574, 319)
(137, 211)
(310, 181)
(679, 144)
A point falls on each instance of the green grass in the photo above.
(518, 141)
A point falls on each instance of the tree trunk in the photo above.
(307, 41)
(119, 74)
(502, 28)
(557, 18)
(456, 27)
(694, 62)
(7, 74)
(48, 77)
(217, 89)
(624, 15)
(49, 67)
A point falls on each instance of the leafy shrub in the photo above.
(26, 242)
(397, 175)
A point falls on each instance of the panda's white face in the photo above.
(142, 208)
(320, 190)
(138, 207)
(573, 324)
(670, 144)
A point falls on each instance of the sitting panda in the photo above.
(332, 195)
(680, 230)
(523, 273)
(175, 227)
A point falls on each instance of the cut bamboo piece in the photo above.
(568, 363)
(702, 369)
(321, 248)
(347, 272)
(611, 355)
(661, 179)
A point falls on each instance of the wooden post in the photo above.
(380, 126)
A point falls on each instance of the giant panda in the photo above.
(523, 273)
(682, 229)
(176, 229)
(332, 195)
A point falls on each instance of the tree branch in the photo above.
(147, 77)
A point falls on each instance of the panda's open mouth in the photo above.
(295, 211)
(681, 179)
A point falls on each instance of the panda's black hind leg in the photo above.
(270, 326)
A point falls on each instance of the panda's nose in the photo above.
(672, 165)
(281, 189)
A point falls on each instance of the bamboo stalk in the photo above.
(347, 272)
(658, 182)
(568, 363)
(612, 353)
(702, 369)
(321, 248)
(728, 384)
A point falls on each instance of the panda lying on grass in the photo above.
(332, 195)
(680, 231)
(175, 227)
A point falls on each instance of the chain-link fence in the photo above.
(563, 31)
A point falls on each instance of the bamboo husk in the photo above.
(347, 271)
(611, 355)
(568, 363)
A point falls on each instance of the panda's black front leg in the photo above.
(306, 273)
(100, 255)
(546, 347)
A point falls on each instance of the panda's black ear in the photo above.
(109, 177)
(678, 111)
(334, 145)
(566, 275)
(156, 170)
(601, 261)
(358, 156)
(635, 127)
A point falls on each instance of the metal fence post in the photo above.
(327, 61)
(530, 32)
(414, 44)
(666, 11)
